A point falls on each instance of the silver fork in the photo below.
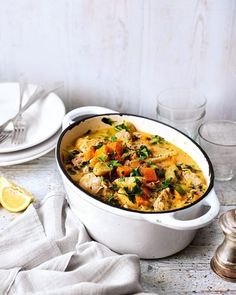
(39, 93)
(19, 131)
(5, 134)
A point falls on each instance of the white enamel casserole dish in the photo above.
(149, 235)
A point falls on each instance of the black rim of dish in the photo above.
(87, 117)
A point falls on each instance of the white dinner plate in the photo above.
(44, 117)
(29, 154)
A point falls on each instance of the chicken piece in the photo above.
(162, 155)
(191, 177)
(130, 126)
(91, 183)
(161, 152)
(85, 143)
(83, 156)
(170, 172)
(77, 160)
(153, 184)
(123, 135)
(162, 202)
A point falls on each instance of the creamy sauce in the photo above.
(128, 168)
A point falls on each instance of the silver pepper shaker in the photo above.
(224, 261)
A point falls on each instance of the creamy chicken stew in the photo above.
(128, 168)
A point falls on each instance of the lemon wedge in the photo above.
(13, 197)
(4, 183)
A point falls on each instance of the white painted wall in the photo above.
(121, 54)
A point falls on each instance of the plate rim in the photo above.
(12, 149)
(52, 142)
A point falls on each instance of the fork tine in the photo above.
(23, 135)
(15, 132)
(4, 136)
(19, 132)
(16, 135)
(20, 136)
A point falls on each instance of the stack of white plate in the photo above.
(44, 119)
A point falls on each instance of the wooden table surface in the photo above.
(187, 272)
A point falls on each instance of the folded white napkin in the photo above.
(46, 250)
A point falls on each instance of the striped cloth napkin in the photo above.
(46, 250)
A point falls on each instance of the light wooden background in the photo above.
(121, 54)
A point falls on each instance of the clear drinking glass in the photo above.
(218, 139)
(182, 108)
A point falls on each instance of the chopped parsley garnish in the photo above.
(191, 168)
(100, 144)
(157, 139)
(71, 155)
(180, 190)
(150, 164)
(114, 163)
(165, 184)
(120, 127)
(111, 197)
(102, 158)
(107, 121)
(115, 187)
(160, 172)
(121, 179)
(177, 174)
(135, 172)
(143, 152)
(138, 181)
(126, 150)
(112, 155)
(113, 201)
(132, 193)
(179, 166)
(113, 138)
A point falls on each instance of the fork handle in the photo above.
(38, 94)
(42, 93)
(32, 100)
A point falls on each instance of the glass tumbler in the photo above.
(218, 139)
(182, 108)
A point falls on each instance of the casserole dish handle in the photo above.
(83, 112)
(171, 220)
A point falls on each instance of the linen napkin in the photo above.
(46, 250)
